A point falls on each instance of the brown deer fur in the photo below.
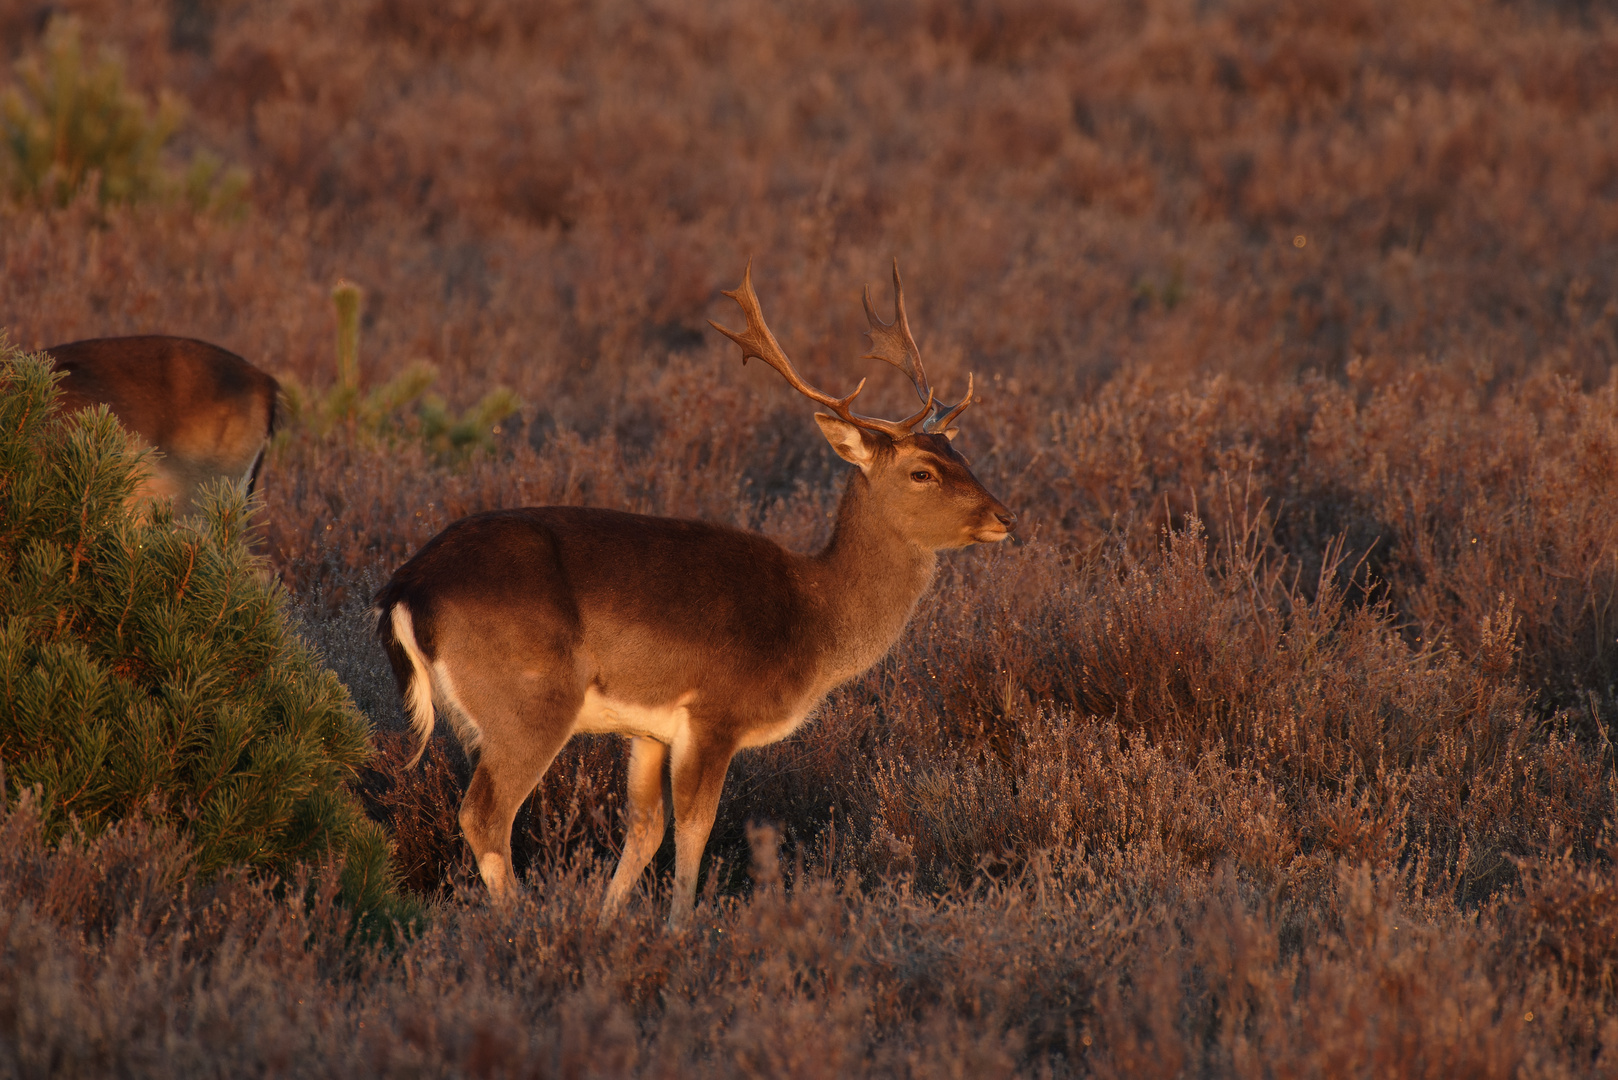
(207, 412)
(694, 639)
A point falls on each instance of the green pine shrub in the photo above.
(72, 125)
(147, 663)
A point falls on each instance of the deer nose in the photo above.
(1007, 518)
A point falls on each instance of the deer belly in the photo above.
(601, 715)
(766, 733)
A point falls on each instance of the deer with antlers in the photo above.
(692, 639)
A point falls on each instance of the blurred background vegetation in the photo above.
(1281, 738)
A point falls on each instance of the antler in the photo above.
(892, 342)
(757, 341)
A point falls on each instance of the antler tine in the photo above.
(943, 422)
(757, 341)
(893, 343)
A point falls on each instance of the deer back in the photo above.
(205, 409)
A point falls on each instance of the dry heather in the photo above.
(1127, 969)
(1280, 743)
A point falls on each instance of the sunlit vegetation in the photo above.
(1279, 743)
(73, 128)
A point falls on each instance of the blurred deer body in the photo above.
(696, 640)
(207, 412)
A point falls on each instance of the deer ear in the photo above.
(951, 433)
(847, 440)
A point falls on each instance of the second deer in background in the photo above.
(693, 639)
(207, 412)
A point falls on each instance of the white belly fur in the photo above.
(601, 715)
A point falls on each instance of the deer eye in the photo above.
(921, 476)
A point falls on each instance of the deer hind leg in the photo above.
(644, 819)
(696, 774)
(250, 480)
(521, 735)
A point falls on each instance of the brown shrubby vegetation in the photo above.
(1280, 742)
(1127, 970)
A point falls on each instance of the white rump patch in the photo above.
(419, 694)
(430, 684)
(466, 728)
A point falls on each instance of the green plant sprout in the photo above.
(384, 413)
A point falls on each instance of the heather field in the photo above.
(1278, 743)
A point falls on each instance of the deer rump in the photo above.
(208, 412)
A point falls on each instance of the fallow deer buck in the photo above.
(207, 412)
(693, 639)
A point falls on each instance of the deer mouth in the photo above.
(991, 534)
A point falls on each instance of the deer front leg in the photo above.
(696, 774)
(644, 819)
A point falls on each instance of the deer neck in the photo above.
(866, 582)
